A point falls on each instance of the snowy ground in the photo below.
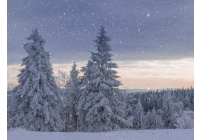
(167, 134)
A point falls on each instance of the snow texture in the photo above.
(164, 134)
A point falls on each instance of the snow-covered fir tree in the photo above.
(146, 120)
(73, 93)
(150, 120)
(37, 99)
(98, 107)
(138, 116)
(130, 104)
(159, 122)
(186, 101)
(169, 114)
(178, 108)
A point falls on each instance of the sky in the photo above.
(152, 40)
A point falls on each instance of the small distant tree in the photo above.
(159, 122)
(131, 101)
(152, 119)
(169, 114)
(146, 120)
(178, 108)
(61, 79)
(138, 116)
(11, 86)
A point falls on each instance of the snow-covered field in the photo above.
(167, 134)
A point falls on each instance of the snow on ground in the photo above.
(162, 134)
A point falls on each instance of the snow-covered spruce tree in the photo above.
(151, 117)
(178, 108)
(36, 99)
(159, 122)
(146, 120)
(72, 98)
(169, 115)
(138, 116)
(131, 101)
(98, 108)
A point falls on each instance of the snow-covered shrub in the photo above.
(61, 79)
(130, 119)
(11, 86)
(185, 122)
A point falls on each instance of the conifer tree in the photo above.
(131, 101)
(169, 114)
(72, 98)
(152, 119)
(99, 109)
(138, 116)
(159, 122)
(146, 120)
(36, 100)
(178, 108)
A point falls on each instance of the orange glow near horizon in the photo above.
(149, 74)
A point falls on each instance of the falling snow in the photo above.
(147, 37)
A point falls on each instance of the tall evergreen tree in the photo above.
(36, 99)
(99, 109)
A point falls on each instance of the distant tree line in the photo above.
(160, 109)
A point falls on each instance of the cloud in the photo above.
(138, 74)
(72, 25)
(157, 73)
